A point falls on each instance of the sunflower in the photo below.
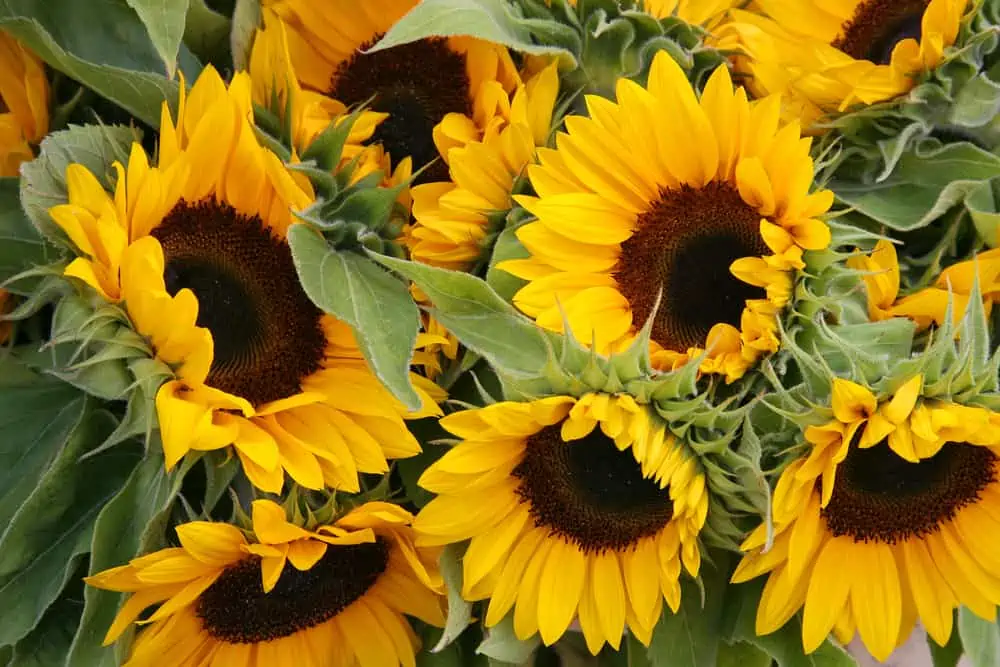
(954, 286)
(196, 250)
(416, 84)
(565, 519)
(227, 600)
(24, 104)
(826, 56)
(705, 201)
(453, 220)
(888, 516)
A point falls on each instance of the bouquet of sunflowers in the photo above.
(446, 333)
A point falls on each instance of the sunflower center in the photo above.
(236, 609)
(881, 497)
(877, 26)
(417, 84)
(684, 245)
(590, 492)
(266, 332)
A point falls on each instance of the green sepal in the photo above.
(43, 180)
(375, 304)
(502, 645)
(459, 610)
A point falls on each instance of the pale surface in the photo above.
(914, 653)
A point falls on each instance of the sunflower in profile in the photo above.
(705, 201)
(576, 508)
(195, 248)
(24, 104)
(335, 595)
(454, 220)
(417, 85)
(826, 56)
(954, 286)
(889, 515)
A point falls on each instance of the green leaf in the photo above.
(691, 637)
(503, 645)
(983, 209)
(246, 18)
(21, 246)
(376, 305)
(947, 655)
(54, 526)
(206, 33)
(43, 181)
(103, 45)
(137, 514)
(459, 610)
(164, 21)
(742, 654)
(483, 321)
(491, 20)
(507, 247)
(47, 644)
(981, 639)
(37, 415)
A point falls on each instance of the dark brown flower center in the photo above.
(417, 84)
(684, 245)
(236, 609)
(881, 497)
(877, 26)
(590, 492)
(266, 332)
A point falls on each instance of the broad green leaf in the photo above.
(246, 18)
(375, 304)
(140, 510)
(164, 21)
(21, 246)
(947, 655)
(981, 639)
(742, 654)
(785, 644)
(484, 322)
(47, 644)
(691, 637)
(491, 20)
(103, 45)
(501, 644)
(43, 180)
(459, 610)
(37, 415)
(54, 526)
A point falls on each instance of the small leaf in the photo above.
(140, 508)
(164, 21)
(54, 526)
(377, 306)
(484, 322)
(43, 182)
(981, 639)
(246, 18)
(503, 645)
(206, 33)
(947, 655)
(490, 20)
(459, 610)
(507, 247)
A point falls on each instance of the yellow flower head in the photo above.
(415, 86)
(825, 56)
(576, 508)
(888, 516)
(195, 249)
(339, 591)
(24, 104)
(703, 200)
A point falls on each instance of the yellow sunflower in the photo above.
(568, 520)
(196, 250)
(452, 218)
(416, 84)
(891, 514)
(227, 600)
(24, 104)
(705, 200)
(826, 55)
(927, 306)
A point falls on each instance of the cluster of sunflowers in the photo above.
(499, 332)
